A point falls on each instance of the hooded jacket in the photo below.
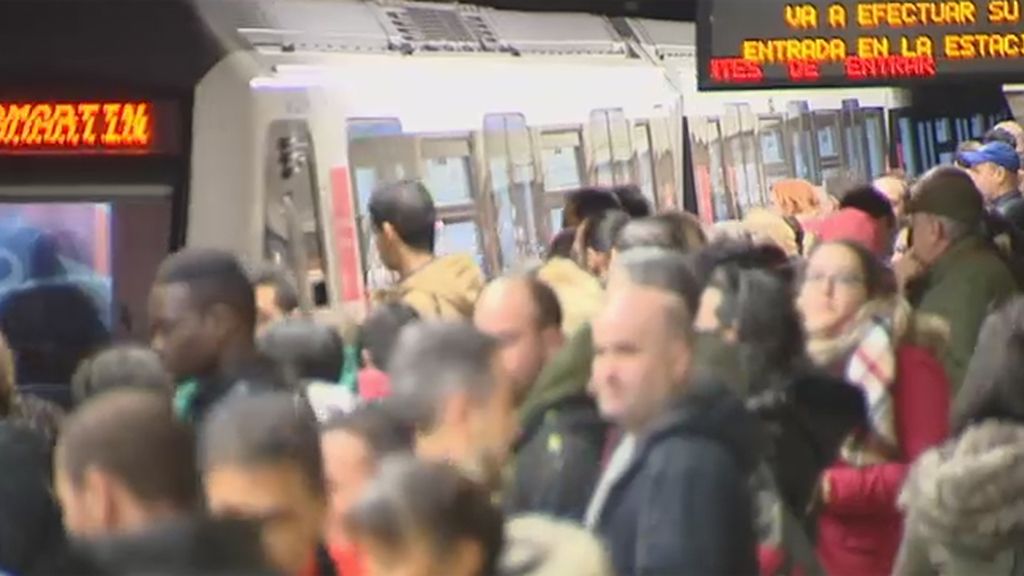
(446, 288)
(558, 453)
(682, 503)
(965, 505)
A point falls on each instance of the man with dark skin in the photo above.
(202, 312)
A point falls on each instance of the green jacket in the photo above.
(962, 288)
(558, 454)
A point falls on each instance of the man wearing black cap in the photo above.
(951, 271)
(995, 169)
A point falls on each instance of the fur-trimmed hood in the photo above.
(968, 495)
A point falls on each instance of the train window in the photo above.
(459, 237)
(292, 209)
(611, 152)
(563, 160)
(644, 160)
(510, 163)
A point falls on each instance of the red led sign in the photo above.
(98, 126)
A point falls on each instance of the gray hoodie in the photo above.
(965, 506)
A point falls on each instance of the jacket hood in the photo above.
(447, 287)
(185, 546)
(969, 494)
(537, 545)
(579, 293)
(565, 376)
(711, 410)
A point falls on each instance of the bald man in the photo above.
(558, 453)
(674, 498)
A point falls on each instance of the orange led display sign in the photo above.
(84, 127)
(776, 43)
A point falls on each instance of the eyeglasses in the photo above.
(846, 279)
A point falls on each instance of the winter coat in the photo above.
(540, 546)
(446, 288)
(965, 506)
(187, 546)
(1011, 208)
(962, 287)
(682, 504)
(579, 293)
(859, 528)
(562, 436)
(30, 520)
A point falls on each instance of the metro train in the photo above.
(262, 126)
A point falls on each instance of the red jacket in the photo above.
(373, 384)
(859, 529)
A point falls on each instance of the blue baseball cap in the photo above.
(998, 153)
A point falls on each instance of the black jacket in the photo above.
(1011, 208)
(682, 505)
(190, 546)
(256, 374)
(558, 454)
(30, 523)
(806, 423)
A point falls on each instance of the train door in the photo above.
(704, 183)
(515, 186)
(803, 141)
(773, 152)
(560, 153)
(380, 153)
(829, 145)
(741, 157)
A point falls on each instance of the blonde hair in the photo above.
(766, 226)
(7, 377)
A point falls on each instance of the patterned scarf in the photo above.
(865, 355)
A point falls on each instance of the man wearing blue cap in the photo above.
(995, 170)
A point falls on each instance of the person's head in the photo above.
(585, 203)
(523, 314)
(448, 381)
(305, 349)
(752, 313)
(276, 294)
(874, 203)
(124, 366)
(379, 333)
(404, 219)
(599, 234)
(641, 354)
(200, 308)
(1008, 131)
(994, 168)
(425, 518)
(666, 270)
(260, 459)
(794, 197)
(352, 445)
(741, 252)
(632, 200)
(894, 187)
(991, 387)
(124, 463)
(677, 231)
(853, 225)
(839, 279)
(562, 243)
(768, 227)
(945, 207)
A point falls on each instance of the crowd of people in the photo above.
(828, 386)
